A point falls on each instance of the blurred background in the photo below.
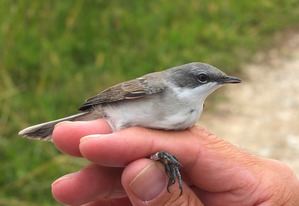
(56, 54)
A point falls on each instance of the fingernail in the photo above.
(91, 136)
(61, 123)
(64, 178)
(149, 183)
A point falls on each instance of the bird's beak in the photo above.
(229, 80)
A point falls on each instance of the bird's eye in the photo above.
(203, 78)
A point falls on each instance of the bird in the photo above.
(172, 99)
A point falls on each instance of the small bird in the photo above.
(172, 99)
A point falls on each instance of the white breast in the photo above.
(169, 111)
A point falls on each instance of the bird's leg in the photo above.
(171, 165)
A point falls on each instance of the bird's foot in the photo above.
(172, 166)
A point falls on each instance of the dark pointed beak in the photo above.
(229, 80)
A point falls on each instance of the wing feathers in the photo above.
(132, 89)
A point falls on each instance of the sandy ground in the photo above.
(261, 115)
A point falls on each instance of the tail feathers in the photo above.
(44, 131)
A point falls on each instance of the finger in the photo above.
(145, 183)
(207, 160)
(66, 135)
(122, 147)
(110, 202)
(91, 183)
(270, 178)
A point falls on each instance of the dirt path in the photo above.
(261, 115)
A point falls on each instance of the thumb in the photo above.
(145, 183)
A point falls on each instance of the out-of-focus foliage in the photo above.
(54, 54)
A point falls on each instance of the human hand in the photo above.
(215, 172)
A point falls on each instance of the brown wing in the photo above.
(132, 89)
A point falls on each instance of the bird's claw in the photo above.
(171, 165)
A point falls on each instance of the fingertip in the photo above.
(145, 183)
(60, 189)
(102, 149)
(66, 135)
(66, 138)
(144, 179)
(89, 184)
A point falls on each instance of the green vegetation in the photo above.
(55, 54)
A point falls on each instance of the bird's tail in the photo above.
(44, 131)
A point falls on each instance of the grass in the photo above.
(56, 54)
